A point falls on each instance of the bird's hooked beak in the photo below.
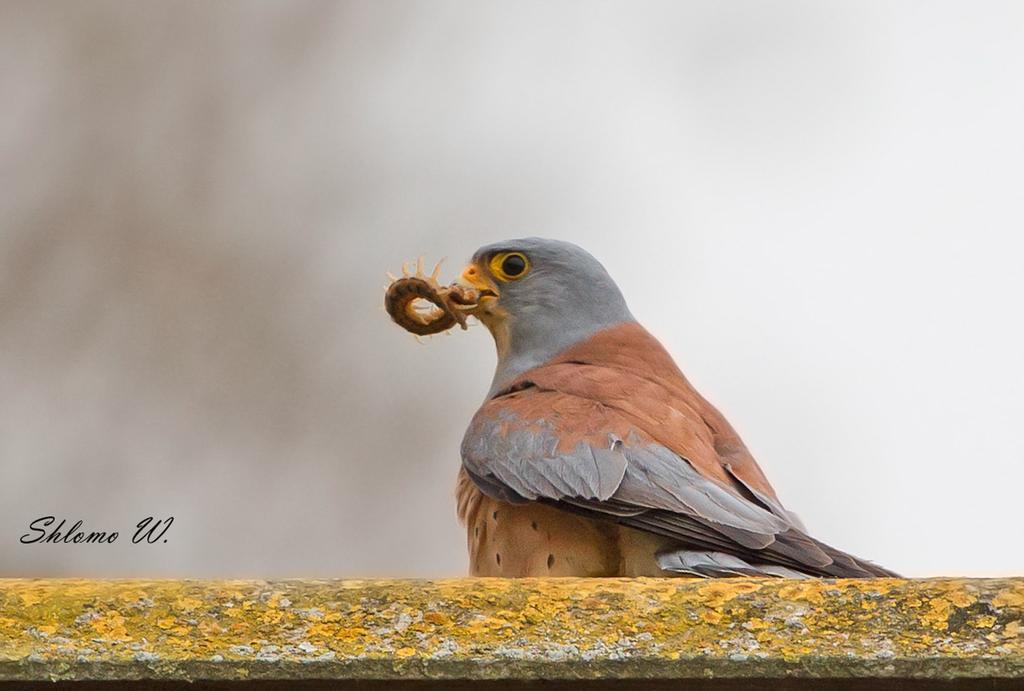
(474, 279)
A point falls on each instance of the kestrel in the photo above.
(592, 455)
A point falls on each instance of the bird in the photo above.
(592, 455)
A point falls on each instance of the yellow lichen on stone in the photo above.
(718, 592)
(937, 615)
(960, 598)
(801, 590)
(486, 628)
(1010, 598)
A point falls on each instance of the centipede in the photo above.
(421, 305)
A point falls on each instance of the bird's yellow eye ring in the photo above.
(509, 266)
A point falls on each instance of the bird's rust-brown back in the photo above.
(626, 369)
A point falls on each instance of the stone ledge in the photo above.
(511, 629)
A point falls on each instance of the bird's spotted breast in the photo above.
(529, 540)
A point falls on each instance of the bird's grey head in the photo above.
(540, 297)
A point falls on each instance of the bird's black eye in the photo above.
(509, 266)
(514, 265)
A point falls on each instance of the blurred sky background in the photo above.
(817, 206)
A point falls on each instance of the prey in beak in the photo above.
(422, 306)
(419, 304)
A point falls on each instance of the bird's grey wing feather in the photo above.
(716, 564)
(525, 457)
(641, 484)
